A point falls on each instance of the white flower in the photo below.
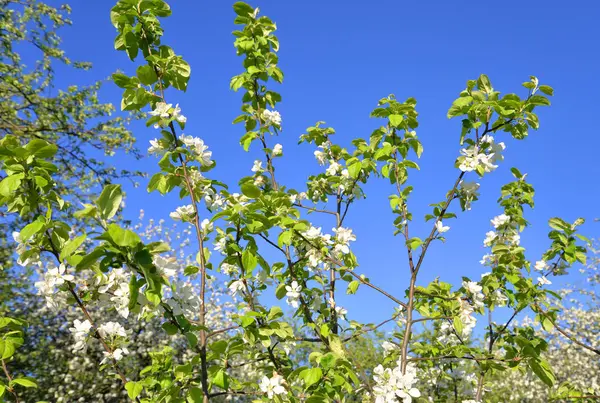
(80, 331)
(257, 167)
(543, 281)
(440, 227)
(220, 246)
(293, 294)
(156, 147)
(166, 266)
(236, 286)
(472, 287)
(206, 225)
(271, 117)
(490, 236)
(54, 277)
(197, 146)
(333, 169)
(469, 192)
(321, 157)
(391, 384)
(500, 220)
(277, 150)
(229, 269)
(182, 213)
(389, 347)
(272, 386)
(161, 109)
(312, 233)
(340, 312)
(184, 299)
(541, 265)
(120, 298)
(177, 115)
(112, 329)
(116, 355)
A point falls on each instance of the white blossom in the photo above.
(272, 386)
(391, 385)
(541, 265)
(271, 117)
(321, 157)
(277, 150)
(500, 220)
(440, 227)
(112, 330)
(80, 332)
(177, 115)
(197, 146)
(293, 294)
(490, 236)
(166, 266)
(237, 286)
(257, 167)
(206, 225)
(182, 213)
(156, 147)
(333, 168)
(161, 109)
(543, 281)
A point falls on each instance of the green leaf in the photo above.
(30, 229)
(352, 287)
(41, 148)
(122, 237)
(134, 389)
(242, 9)
(285, 238)
(71, 246)
(7, 348)
(546, 89)
(146, 74)
(542, 369)
(395, 120)
(221, 379)
(251, 190)
(539, 100)
(311, 376)
(354, 169)
(483, 83)
(109, 201)
(10, 184)
(249, 261)
(25, 382)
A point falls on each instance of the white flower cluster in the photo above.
(468, 192)
(343, 237)
(80, 331)
(115, 288)
(293, 294)
(183, 213)
(198, 148)
(272, 386)
(184, 299)
(391, 384)
(271, 117)
(53, 278)
(166, 111)
(474, 292)
(485, 157)
(507, 232)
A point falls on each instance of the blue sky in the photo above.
(339, 58)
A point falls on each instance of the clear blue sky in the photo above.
(339, 58)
